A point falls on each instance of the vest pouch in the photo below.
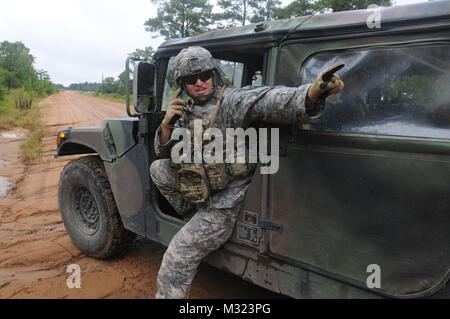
(235, 168)
(217, 175)
(193, 182)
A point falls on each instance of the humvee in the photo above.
(360, 205)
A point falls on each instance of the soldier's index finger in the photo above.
(178, 106)
(175, 95)
(178, 102)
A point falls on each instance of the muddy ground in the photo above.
(35, 249)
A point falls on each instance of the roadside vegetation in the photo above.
(22, 87)
(113, 97)
(111, 89)
(185, 18)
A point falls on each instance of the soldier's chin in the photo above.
(202, 97)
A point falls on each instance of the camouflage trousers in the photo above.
(205, 232)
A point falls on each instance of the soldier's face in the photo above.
(198, 87)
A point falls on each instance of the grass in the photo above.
(29, 119)
(113, 97)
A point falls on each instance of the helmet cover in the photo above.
(193, 60)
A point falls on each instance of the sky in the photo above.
(79, 40)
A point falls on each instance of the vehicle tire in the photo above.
(89, 211)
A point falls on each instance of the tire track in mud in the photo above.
(35, 249)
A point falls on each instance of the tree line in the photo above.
(109, 85)
(185, 18)
(18, 72)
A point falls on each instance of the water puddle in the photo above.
(5, 187)
(8, 135)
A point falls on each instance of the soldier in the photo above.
(216, 208)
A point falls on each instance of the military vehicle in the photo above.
(360, 205)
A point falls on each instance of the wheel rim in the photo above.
(86, 211)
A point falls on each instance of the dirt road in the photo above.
(35, 249)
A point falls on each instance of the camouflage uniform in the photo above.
(211, 228)
(213, 223)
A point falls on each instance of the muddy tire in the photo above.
(89, 211)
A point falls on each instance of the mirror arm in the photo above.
(127, 69)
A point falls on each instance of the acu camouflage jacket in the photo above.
(239, 109)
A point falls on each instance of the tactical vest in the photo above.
(197, 180)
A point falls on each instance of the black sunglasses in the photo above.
(192, 79)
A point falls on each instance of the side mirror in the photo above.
(144, 88)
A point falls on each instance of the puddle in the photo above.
(9, 135)
(17, 133)
(5, 187)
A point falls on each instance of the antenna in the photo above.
(300, 24)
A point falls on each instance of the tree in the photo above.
(86, 86)
(2, 89)
(17, 65)
(180, 18)
(109, 85)
(296, 9)
(266, 10)
(42, 75)
(236, 12)
(339, 5)
(145, 54)
(122, 83)
(306, 7)
(17, 71)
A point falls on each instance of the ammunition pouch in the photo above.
(196, 181)
(193, 181)
(217, 175)
(235, 168)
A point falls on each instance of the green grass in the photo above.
(29, 119)
(113, 97)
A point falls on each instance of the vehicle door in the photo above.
(365, 187)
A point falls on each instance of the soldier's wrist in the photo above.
(308, 103)
(313, 108)
(166, 126)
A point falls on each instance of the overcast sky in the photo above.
(77, 40)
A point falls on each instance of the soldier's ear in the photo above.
(217, 79)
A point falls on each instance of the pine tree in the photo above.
(235, 12)
(143, 54)
(180, 18)
(306, 7)
(339, 5)
(266, 10)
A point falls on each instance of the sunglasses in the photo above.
(192, 79)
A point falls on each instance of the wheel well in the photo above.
(74, 148)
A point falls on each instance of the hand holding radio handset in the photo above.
(174, 110)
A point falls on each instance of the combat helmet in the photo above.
(194, 60)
